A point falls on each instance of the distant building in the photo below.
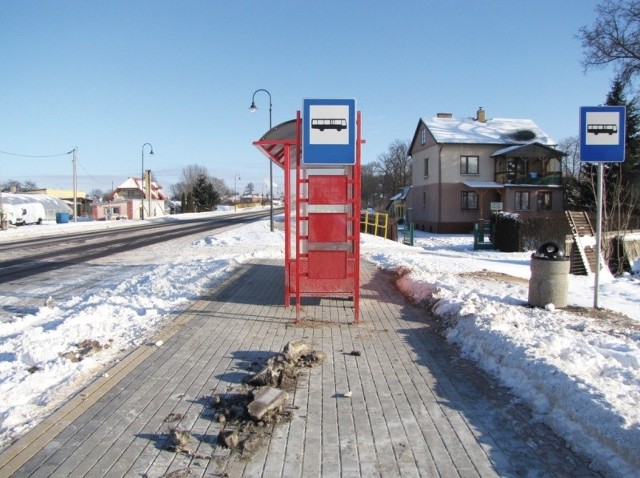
(81, 200)
(128, 200)
(52, 205)
(397, 206)
(463, 168)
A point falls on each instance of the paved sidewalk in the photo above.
(416, 408)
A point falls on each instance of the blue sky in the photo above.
(108, 76)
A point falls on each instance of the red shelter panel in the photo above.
(327, 265)
(327, 189)
(327, 227)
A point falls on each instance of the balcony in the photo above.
(541, 179)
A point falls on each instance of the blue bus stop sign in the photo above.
(602, 134)
(329, 132)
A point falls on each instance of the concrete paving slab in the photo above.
(416, 408)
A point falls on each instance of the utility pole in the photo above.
(75, 187)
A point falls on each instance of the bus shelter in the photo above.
(322, 219)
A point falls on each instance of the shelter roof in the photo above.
(273, 143)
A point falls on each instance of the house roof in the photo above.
(136, 183)
(493, 131)
(528, 150)
(402, 194)
(483, 185)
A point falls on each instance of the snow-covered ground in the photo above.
(579, 370)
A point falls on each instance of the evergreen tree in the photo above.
(190, 205)
(631, 164)
(205, 197)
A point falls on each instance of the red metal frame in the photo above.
(327, 222)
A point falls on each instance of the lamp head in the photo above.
(253, 107)
(151, 151)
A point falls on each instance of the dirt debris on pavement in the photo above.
(248, 413)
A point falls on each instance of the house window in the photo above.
(469, 164)
(522, 201)
(544, 201)
(469, 200)
(426, 167)
(424, 199)
(423, 136)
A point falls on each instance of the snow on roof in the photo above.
(492, 131)
(483, 184)
(136, 183)
(50, 203)
(506, 150)
(130, 183)
(401, 195)
(523, 148)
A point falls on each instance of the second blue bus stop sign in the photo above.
(602, 134)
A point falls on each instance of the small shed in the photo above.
(397, 207)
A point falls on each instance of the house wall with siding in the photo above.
(444, 160)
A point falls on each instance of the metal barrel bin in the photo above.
(549, 282)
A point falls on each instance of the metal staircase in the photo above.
(583, 254)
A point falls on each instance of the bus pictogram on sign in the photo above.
(329, 123)
(602, 128)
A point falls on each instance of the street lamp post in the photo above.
(235, 186)
(253, 108)
(142, 181)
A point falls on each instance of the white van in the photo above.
(9, 213)
(27, 213)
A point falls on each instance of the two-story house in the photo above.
(130, 201)
(464, 168)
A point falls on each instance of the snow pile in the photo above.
(580, 374)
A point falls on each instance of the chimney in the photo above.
(445, 115)
(481, 116)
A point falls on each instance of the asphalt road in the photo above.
(31, 265)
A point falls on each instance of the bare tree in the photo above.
(249, 189)
(189, 179)
(394, 167)
(571, 164)
(19, 186)
(618, 206)
(371, 186)
(614, 38)
(220, 187)
(193, 173)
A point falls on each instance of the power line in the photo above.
(37, 156)
(91, 177)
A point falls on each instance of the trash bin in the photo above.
(549, 281)
(62, 217)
